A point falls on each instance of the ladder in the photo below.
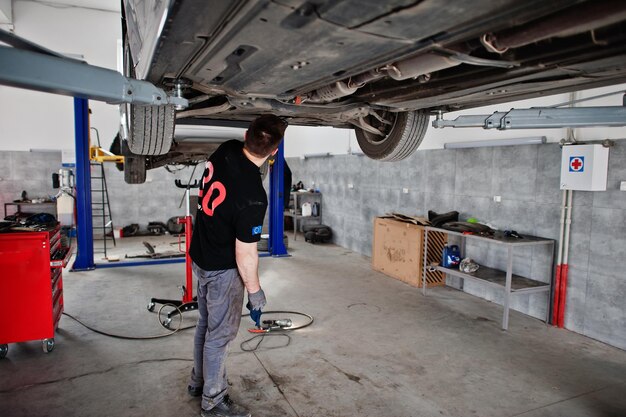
(103, 234)
(100, 210)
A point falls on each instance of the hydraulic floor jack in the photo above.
(188, 302)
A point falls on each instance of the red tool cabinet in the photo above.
(31, 286)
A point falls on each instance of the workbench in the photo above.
(19, 205)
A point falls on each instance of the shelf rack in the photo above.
(297, 203)
(511, 284)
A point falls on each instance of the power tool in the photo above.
(272, 325)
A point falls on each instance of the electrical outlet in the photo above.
(497, 198)
(405, 191)
(622, 185)
(350, 186)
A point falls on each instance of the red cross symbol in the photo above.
(576, 164)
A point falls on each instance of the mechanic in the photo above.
(231, 208)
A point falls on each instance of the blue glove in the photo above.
(256, 301)
(255, 314)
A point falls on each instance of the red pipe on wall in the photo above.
(556, 303)
(562, 294)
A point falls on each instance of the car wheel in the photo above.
(151, 129)
(148, 130)
(134, 169)
(134, 166)
(403, 131)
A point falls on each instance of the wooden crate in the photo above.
(398, 248)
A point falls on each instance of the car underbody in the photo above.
(381, 67)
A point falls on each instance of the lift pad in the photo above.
(98, 154)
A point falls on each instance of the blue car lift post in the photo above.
(84, 226)
(276, 244)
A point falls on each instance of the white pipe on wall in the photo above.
(568, 222)
(559, 256)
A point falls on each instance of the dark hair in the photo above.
(264, 135)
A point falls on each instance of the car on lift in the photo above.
(379, 67)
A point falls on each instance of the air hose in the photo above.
(282, 332)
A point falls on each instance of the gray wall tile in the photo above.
(576, 299)
(411, 203)
(605, 316)
(412, 172)
(440, 172)
(608, 242)
(548, 178)
(580, 235)
(438, 202)
(513, 215)
(6, 162)
(515, 171)
(476, 207)
(474, 172)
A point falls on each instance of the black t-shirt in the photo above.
(231, 205)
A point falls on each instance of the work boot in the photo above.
(194, 391)
(226, 408)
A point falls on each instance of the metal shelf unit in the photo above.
(18, 207)
(297, 203)
(506, 281)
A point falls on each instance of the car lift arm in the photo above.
(35, 68)
(540, 118)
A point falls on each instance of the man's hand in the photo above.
(255, 315)
(256, 301)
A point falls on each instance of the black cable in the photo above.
(178, 329)
(120, 336)
(261, 337)
(279, 332)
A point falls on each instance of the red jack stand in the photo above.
(188, 302)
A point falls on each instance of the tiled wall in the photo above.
(155, 200)
(527, 179)
(27, 171)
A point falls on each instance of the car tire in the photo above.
(134, 169)
(403, 136)
(151, 129)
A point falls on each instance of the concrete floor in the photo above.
(377, 348)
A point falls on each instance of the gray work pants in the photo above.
(220, 299)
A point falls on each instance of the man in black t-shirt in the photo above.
(231, 209)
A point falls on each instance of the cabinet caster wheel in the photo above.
(4, 349)
(150, 307)
(48, 345)
(166, 323)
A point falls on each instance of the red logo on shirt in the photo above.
(208, 206)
